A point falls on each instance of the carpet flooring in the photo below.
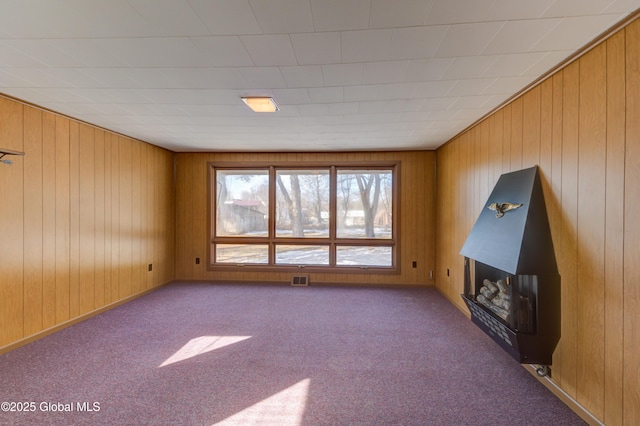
(204, 354)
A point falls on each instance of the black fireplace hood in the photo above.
(512, 238)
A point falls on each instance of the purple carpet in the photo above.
(202, 354)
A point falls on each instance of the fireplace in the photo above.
(511, 280)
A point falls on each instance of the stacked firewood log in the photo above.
(496, 297)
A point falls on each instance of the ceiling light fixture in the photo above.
(261, 104)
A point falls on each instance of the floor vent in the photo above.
(300, 280)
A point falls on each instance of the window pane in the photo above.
(364, 256)
(302, 255)
(242, 253)
(364, 204)
(242, 203)
(302, 209)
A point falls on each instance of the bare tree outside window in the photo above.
(364, 212)
(305, 194)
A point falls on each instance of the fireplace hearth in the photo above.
(511, 280)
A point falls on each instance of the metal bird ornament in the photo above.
(502, 208)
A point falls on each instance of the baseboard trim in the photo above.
(69, 323)
(564, 397)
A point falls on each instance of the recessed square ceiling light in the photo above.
(261, 104)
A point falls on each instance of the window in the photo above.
(324, 217)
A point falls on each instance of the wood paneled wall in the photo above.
(417, 216)
(82, 214)
(582, 127)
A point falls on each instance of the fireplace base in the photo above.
(524, 348)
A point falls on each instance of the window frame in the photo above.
(331, 241)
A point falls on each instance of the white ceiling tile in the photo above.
(520, 36)
(471, 102)
(361, 93)
(434, 104)
(384, 72)
(12, 58)
(154, 52)
(223, 51)
(326, 94)
(262, 77)
(317, 48)
(123, 78)
(347, 108)
(204, 78)
(562, 8)
(226, 17)
(458, 11)
(314, 109)
(471, 87)
(341, 15)
(469, 67)
(571, 33)
(283, 16)
(10, 81)
(169, 17)
(62, 77)
(71, 18)
(513, 64)
(390, 106)
(89, 52)
(270, 50)
(302, 76)
(467, 39)
(292, 96)
(427, 69)
(503, 10)
(622, 6)
(428, 89)
(342, 74)
(416, 42)
(399, 13)
(40, 52)
(366, 45)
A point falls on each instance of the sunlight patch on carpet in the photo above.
(201, 345)
(285, 408)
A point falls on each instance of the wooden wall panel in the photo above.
(11, 224)
(62, 231)
(531, 116)
(614, 231)
(516, 134)
(125, 217)
(49, 220)
(99, 215)
(582, 127)
(87, 226)
(114, 144)
(591, 223)
(74, 219)
(63, 227)
(631, 348)
(568, 345)
(33, 221)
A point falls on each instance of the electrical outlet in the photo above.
(150, 267)
(197, 260)
(415, 264)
